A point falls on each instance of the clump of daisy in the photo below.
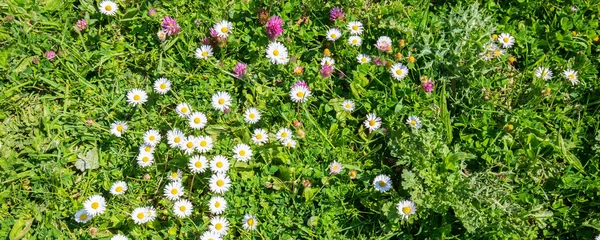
(336, 14)
(355, 27)
(373, 122)
(203, 52)
(326, 70)
(189, 144)
(406, 208)
(414, 121)
(277, 53)
(147, 148)
(506, 40)
(219, 183)
(108, 8)
(119, 237)
(571, 75)
(173, 190)
(182, 208)
(399, 71)
(382, 183)
(284, 134)
(335, 168)
(348, 105)
(289, 143)
(384, 44)
(333, 34)
(198, 164)
(221, 101)
(175, 137)
(355, 41)
(219, 225)
(183, 109)
(162, 85)
(543, 73)
(82, 216)
(136, 97)
(242, 152)
(251, 115)
(118, 188)
(117, 128)
(239, 70)
(217, 205)
(152, 137)
(274, 27)
(363, 58)
(143, 215)
(95, 205)
(300, 92)
(219, 164)
(175, 175)
(197, 120)
(260, 136)
(170, 26)
(223, 28)
(145, 159)
(249, 221)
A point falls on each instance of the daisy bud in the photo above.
(411, 59)
(495, 36)
(596, 39)
(509, 128)
(300, 133)
(146, 177)
(326, 52)
(151, 12)
(398, 56)
(298, 70)
(92, 231)
(297, 124)
(268, 185)
(263, 16)
(306, 183)
(227, 110)
(402, 42)
(35, 60)
(512, 59)
(353, 174)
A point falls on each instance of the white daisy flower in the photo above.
(414, 121)
(382, 183)
(333, 34)
(260, 136)
(571, 76)
(221, 101)
(251, 115)
(183, 109)
(162, 35)
(384, 43)
(118, 188)
(242, 152)
(145, 159)
(136, 97)
(151, 213)
(108, 8)
(175, 175)
(299, 93)
(205, 144)
(355, 27)
(162, 85)
(219, 183)
(95, 205)
(289, 143)
(348, 105)
(355, 41)
(217, 205)
(223, 28)
(82, 216)
(283, 134)
(182, 208)
(219, 225)
(406, 208)
(335, 168)
(543, 73)
(140, 215)
(498, 52)
(363, 58)
(197, 120)
(327, 60)
(203, 52)
(399, 71)
(277, 53)
(597, 237)
(506, 40)
(117, 128)
(373, 122)
(175, 137)
(146, 148)
(198, 164)
(210, 235)
(249, 221)
(173, 190)
(189, 144)
(119, 237)
(152, 137)
(219, 164)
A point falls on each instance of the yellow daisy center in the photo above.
(182, 208)
(336, 167)
(283, 134)
(177, 139)
(413, 122)
(275, 52)
(399, 72)
(196, 120)
(289, 144)
(203, 143)
(190, 144)
(137, 97)
(120, 128)
(242, 153)
(218, 226)
(571, 76)
(382, 183)
(497, 52)
(354, 41)
(411, 59)
(406, 210)
(333, 35)
(184, 110)
(198, 164)
(219, 164)
(363, 59)
(371, 123)
(147, 148)
(140, 215)
(152, 138)
(163, 86)
(348, 105)
(221, 101)
(224, 29)
(108, 8)
(258, 136)
(251, 116)
(355, 28)
(204, 54)
(300, 94)
(119, 189)
(145, 159)
(95, 205)
(83, 217)
(174, 175)
(543, 73)
(217, 204)
(250, 222)
(220, 183)
(174, 191)
(506, 40)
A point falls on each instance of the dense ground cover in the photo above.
(477, 137)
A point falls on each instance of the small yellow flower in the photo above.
(495, 36)
(596, 39)
(301, 133)
(411, 59)
(574, 33)
(398, 56)
(402, 42)
(352, 174)
(90, 91)
(509, 128)
(326, 52)
(512, 59)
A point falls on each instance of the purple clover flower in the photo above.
(335, 14)
(50, 55)
(274, 27)
(151, 12)
(301, 83)
(81, 24)
(326, 70)
(170, 26)
(239, 70)
(428, 86)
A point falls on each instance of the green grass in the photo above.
(502, 154)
